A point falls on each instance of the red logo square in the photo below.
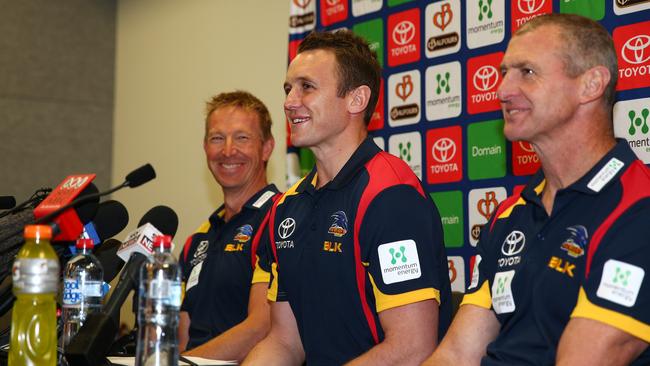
(524, 159)
(333, 11)
(377, 119)
(632, 43)
(483, 78)
(444, 155)
(293, 49)
(404, 37)
(525, 10)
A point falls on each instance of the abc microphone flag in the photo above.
(68, 221)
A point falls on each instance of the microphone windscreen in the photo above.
(107, 256)
(87, 210)
(140, 176)
(7, 202)
(162, 218)
(111, 218)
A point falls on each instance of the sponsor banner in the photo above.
(631, 122)
(442, 28)
(404, 97)
(524, 10)
(632, 44)
(444, 155)
(481, 204)
(485, 22)
(302, 16)
(629, 6)
(333, 11)
(404, 37)
(443, 91)
(450, 207)
(483, 78)
(524, 159)
(486, 150)
(377, 119)
(594, 9)
(456, 266)
(362, 7)
(408, 147)
(373, 32)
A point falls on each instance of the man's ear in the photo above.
(267, 148)
(594, 83)
(358, 99)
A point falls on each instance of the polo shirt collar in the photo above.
(217, 216)
(620, 152)
(364, 152)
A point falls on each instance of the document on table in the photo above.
(130, 361)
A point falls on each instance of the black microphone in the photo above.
(106, 253)
(7, 202)
(92, 342)
(140, 176)
(111, 218)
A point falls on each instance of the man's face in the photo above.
(234, 148)
(315, 113)
(537, 96)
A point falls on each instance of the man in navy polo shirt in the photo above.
(561, 273)
(360, 273)
(224, 311)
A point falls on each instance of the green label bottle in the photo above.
(35, 284)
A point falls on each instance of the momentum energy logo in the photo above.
(630, 6)
(404, 37)
(483, 79)
(525, 10)
(632, 122)
(485, 22)
(443, 91)
(444, 157)
(408, 147)
(633, 46)
(399, 261)
(442, 28)
(404, 98)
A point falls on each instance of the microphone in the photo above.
(106, 253)
(111, 218)
(7, 202)
(91, 343)
(158, 220)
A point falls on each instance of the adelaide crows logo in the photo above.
(575, 245)
(244, 233)
(339, 224)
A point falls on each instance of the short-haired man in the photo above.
(360, 273)
(225, 312)
(561, 267)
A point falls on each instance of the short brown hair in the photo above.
(356, 63)
(586, 43)
(244, 100)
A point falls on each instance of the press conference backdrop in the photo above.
(438, 110)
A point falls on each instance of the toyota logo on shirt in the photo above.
(514, 243)
(286, 228)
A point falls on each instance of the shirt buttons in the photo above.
(540, 236)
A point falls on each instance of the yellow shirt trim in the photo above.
(259, 274)
(384, 301)
(272, 294)
(204, 227)
(481, 298)
(586, 309)
(521, 201)
(291, 191)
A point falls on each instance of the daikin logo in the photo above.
(403, 33)
(636, 50)
(443, 18)
(530, 6)
(443, 150)
(485, 78)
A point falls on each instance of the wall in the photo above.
(171, 56)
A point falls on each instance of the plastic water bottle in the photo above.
(159, 304)
(35, 284)
(82, 289)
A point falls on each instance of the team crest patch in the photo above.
(575, 245)
(244, 234)
(339, 224)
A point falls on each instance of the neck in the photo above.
(331, 159)
(234, 199)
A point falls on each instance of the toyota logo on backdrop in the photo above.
(636, 50)
(443, 150)
(514, 243)
(286, 228)
(485, 78)
(404, 32)
(530, 6)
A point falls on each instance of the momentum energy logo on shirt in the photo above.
(620, 282)
(399, 261)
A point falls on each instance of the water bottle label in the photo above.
(168, 291)
(71, 292)
(175, 294)
(35, 276)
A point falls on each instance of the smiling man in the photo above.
(560, 271)
(224, 311)
(360, 272)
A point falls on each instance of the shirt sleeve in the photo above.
(616, 291)
(401, 241)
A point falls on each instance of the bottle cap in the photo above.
(85, 243)
(162, 240)
(38, 231)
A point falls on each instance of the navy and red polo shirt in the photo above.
(219, 263)
(367, 241)
(586, 259)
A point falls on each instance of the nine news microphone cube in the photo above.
(141, 241)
